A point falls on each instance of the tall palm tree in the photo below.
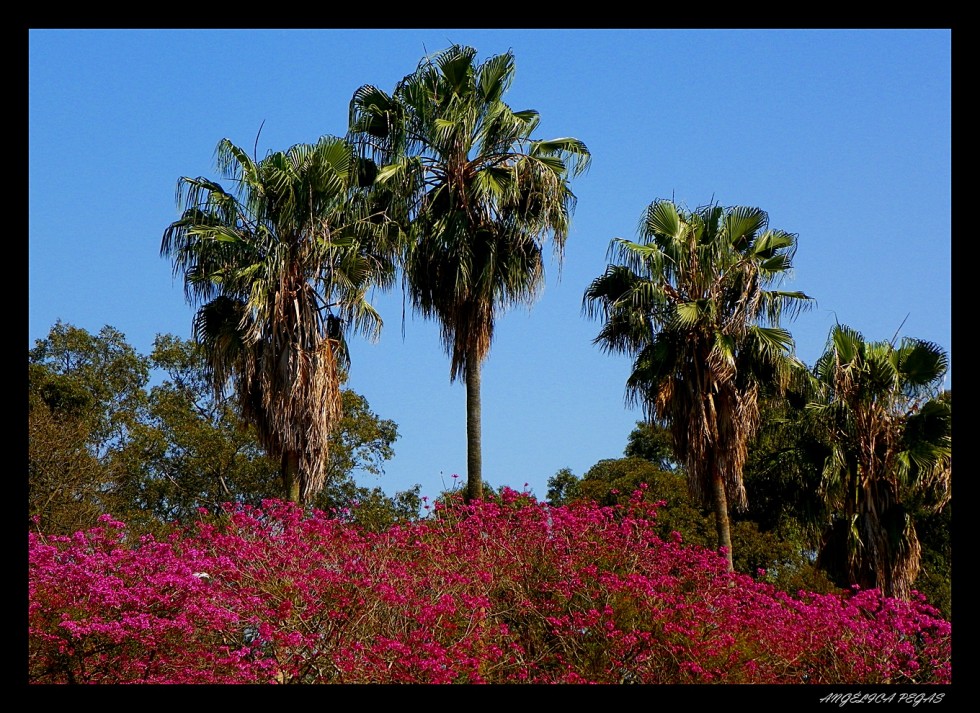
(278, 268)
(477, 196)
(891, 439)
(690, 302)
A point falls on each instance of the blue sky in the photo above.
(842, 136)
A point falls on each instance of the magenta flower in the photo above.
(492, 592)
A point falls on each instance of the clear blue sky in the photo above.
(844, 137)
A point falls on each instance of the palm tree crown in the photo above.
(279, 269)
(891, 453)
(477, 196)
(691, 301)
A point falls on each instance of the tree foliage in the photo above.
(695, 303)
(562, 487)
(652, 441)
(182, 449)
(86, 397)
(783, 470)
(279, 268)
(891, 454)
(783, 480)
(476, 193)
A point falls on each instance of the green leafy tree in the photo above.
(691, 302)
(183, 448)
(477, 195)
(279, 268)
(891, 439)
(85, 397)
(652, 442)
(100, 374)
(67, 484)
(195, 450)
(562, 487)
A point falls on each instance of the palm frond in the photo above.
(269, 264)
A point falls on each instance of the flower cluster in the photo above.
(506, 591)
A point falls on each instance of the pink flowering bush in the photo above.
(496, 592)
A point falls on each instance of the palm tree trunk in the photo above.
(474, 457)
(290, 476)
(722, 524)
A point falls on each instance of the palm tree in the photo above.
(690, 303)
(279, 268)
(477, 196)
(891, 440)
